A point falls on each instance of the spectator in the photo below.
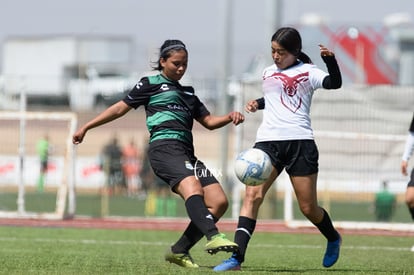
(408, 152)
(43, 150)
(111, 164)
(131, 166)
(385, 203)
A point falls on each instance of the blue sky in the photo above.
(197, 23)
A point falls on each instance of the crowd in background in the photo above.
(128, 172)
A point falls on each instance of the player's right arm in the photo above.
(254, 105)
(111, 113)
(404, 165)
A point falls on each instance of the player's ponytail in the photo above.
(304, 58)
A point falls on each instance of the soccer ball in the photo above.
(253, 167)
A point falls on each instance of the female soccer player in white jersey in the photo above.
(285, 134)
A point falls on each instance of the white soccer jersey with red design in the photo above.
(288, 96)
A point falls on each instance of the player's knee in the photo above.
(409, 196)
(409, 202)
(220, 202)
(223, 206)
(217, 205)
(309, 210)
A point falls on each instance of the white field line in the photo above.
(146, 243)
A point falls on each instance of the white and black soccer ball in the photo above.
(253, 167)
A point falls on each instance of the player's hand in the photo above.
(404, 165)
(251, 106)
(78, 136)
(325, 51)
(236, 117)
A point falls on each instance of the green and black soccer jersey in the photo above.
(170, 108)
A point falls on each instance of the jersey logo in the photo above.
(174, 107)
(188, 165)
(139, 85)
(164, 87)
(290, 97)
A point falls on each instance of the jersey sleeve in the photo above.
(139, 94)
(316, 77)
(201, 109)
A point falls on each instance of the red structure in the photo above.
(363, 48)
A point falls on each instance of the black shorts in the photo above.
(298, 157)
(173, 162)
(411, 182)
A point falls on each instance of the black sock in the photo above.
(244, 231)
(411, 211)
(326, 228)
(189, 238)
(200, 216)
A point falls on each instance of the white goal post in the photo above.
(15, 134)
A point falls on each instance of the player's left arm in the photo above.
(334, 79)
(212, 122)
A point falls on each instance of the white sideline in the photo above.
(408, 227)
(30, 215)
(146, 243)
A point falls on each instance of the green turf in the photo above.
(91, 251)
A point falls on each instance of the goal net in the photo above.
(360, 133)
(28, 187)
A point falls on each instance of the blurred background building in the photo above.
(225, 38)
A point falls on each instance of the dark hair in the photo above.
(166, 50)
(289, 38)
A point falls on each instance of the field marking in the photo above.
(43, 240)
(147, 243)
(387, 248)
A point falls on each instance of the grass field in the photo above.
(33, 250)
